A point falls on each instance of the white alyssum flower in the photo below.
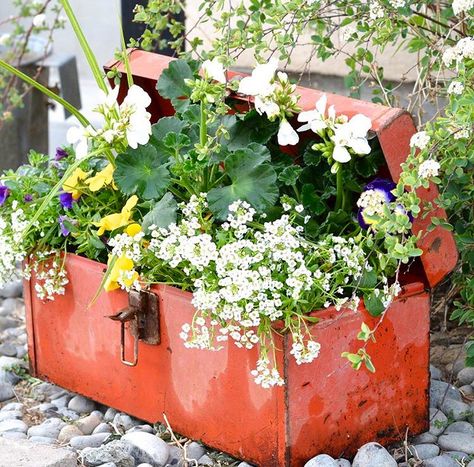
(351, 135)
(464, 49)
(456, 88)
(462, 6)
(428, 169)
(50, 275)
(39, 20)
(215, 70)
(420, 140)
(286, 134)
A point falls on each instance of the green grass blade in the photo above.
(126, 60)
(53, 96)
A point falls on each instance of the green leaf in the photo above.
(289, 175)
(172, 84)
(143, 171)
(368, 279)
(312, 200)
(163, 213)
(253, 180)
(166, 125)
(373, 304)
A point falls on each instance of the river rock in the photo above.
(12, 289)
(440, 461)
(110, 415)
(62, 401)
(343, 463)
(88, 441)
(439, 390)
(323, 460)
(148, 448)
(81, 404)
(8, 349)
(42, 440)
(68, 432)
(88, 424)
(103, 428)
(424, 451)
(438, 422)
(13, 425)
(14, 435)
(460, 427)
(425, 438)
(12, 406)
(466, 376)
(206, 460)
(6, 391)
(49, 428)
(455, 409)
(457, 442)
(435, 373)
(373, 455)
(124, 422)
(116, 452)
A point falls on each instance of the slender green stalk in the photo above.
(203, 141)
(340, 189)
(126, 60)
(90, 57)
(53, 96)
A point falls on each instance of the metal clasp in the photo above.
(143, 315)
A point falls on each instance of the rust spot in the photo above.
(305, 384)
(361, 403)
(435, 245)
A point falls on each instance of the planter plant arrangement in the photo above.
(217, 200)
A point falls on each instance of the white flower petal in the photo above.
(341, 154)
(359, 145)
(215, 70)
(360, 125)
(74, 134)
(287, 135)
(321, 104)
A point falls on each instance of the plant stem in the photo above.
(203, 141)
(340, 189)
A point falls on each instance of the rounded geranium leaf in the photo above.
(142, 171)
(163, 213)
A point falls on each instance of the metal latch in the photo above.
(143, 315)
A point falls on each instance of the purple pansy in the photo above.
(66, 200)
(4, 194)
(62, 226)
(60, 154)
(28, 198)
(375, 195)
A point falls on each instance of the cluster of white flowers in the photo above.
(464, 49)
(127, 245)
(128, 122)
(269, 93)
(346, 134)
(456, 88)
(462, 6)
(50, 275)
(253, 277)
(388, 292)
(12, 250)
(429, 169)
(420, 140)
(372, 202)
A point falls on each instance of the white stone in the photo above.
(13, 425)
(81, 404)
(457, 442)
(149, 448)
(466, 376)
(373, 455)
(88, 441)
(438, 422)
(322, 460)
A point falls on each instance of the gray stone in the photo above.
(8, 349)
(49, 428)
(88, 441)
(148, 448)
(323, 460)
(175, 455)
(242, 464)
(467, 390)
(103, 428)
(67, 433)
(6, 391)
(14, 435)
(110, 415)
(44, 407)
(13, 425)
(88, 424)
(471, 464)
(206, 460)
(435, 373)
(62, 401)
(22, 453)
(457, 442)
(424, 451)
(10, 414)
(124, 422)
(425, 438)
(12, 406)
(439, 390)
(9, 377)
(69, 414)
(440, 461)
(42, 440)
(457, 455)
(21, 350)
(147, 428)
(438, 422)
(343, 463)
(149, 465)
(47, 390)
(81, 404)
(460, 427)
(195, 451)
(466, 376)
(373, 455)
(116, 452)
(455, 409)
(12, 289)
(6, 323)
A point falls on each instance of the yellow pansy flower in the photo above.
(121, 269)
(115, 221)
(133, 229)
(102, 178)
(71, 183)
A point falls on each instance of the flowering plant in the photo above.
(210, 200)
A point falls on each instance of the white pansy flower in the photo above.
(420, 140)
(77, 137)
(39, 20)
(259, 83)
(287, 135)
(352, 135)
(429, 168)
(214, 70)
(315, 120)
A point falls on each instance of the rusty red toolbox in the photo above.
(325, 406)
